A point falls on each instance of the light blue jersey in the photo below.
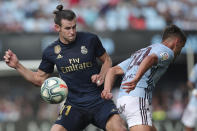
(193, 79)
(146, 84)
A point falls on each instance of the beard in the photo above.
(69, 40)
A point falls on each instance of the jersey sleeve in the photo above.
(99, 49)
(164, 55)
(46, 65)
(124, 65)
(193, 77)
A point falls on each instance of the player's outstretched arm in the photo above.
(106, 64)
(146, 64)
(109, 81)
(11, 59)
(37, 78)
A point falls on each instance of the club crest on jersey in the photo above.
(84, 50)
(57, 49)
(164, 56)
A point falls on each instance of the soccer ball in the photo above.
(54, 90)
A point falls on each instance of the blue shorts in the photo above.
(73, 118)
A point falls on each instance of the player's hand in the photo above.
(98, 79)
(105, 94)
(10, 58)
(129, 86)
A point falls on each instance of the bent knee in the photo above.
(115, 123)
(141, 128)
(57, 127)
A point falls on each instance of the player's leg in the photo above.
(106, 117)
(153, 128)
(57, 127)
(137, 111)
(141, 128)
(115, 123)
(188, 129)
(71, 119)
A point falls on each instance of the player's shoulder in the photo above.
(86, 35)
(50, 48)
(161, 47)
(162, 50)
(157, 45)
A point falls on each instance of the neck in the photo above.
(63, 40)
(169, 43)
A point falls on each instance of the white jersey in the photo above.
(146, 84)
(193, 79)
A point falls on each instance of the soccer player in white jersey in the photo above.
(189, 118)
(140, 73)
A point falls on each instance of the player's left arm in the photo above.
(110, 78)
(146, 64)
(106, 64)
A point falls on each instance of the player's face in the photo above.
(67, 30)
(179, 47)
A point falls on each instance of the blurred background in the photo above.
(26, 27)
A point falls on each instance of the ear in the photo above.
(57, 27)
(176, 40)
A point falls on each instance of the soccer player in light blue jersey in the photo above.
(140, 74)
(189, 118)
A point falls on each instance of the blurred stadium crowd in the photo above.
(99, 15)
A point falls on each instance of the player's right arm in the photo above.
(109, 81)
(146, 64)
(37, 78)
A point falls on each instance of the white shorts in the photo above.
(189, 117)
(136, 110)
